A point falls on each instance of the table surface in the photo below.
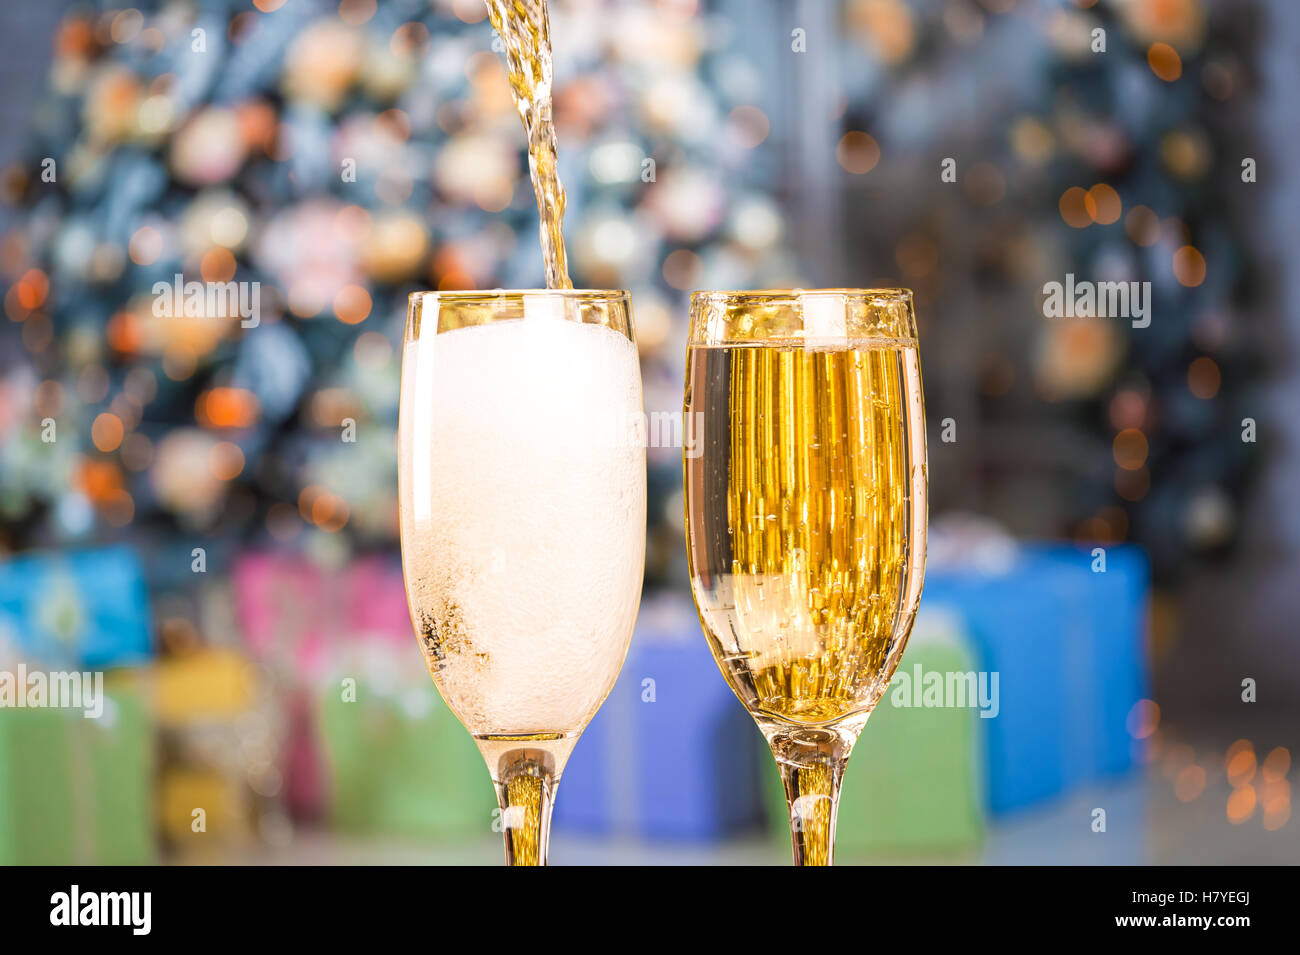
(1057, 832)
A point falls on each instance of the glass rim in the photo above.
(441, 312)
(489, 295)
(896, 294)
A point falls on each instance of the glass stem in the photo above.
(526, 792)
(812, 765)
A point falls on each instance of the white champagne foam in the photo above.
(523, 517)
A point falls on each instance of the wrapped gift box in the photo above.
(123, 759)
(1067, 645)
(286, 611)
(1017, 626)
(376, 601)
(1105, 639)
(210, 685)
(227, 821)
(675, 758)
(297, 618)
(83, 609)
(913, 782)
(75, 790)
(398, 761)
(222, 733)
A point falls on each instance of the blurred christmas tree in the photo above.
(1087, 138)
(341, 155)
(327, 159)
(1153, 189)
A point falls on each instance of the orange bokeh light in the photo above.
(1241, 767)
(1241, 804)
(1130, 449)
(32, 289)
(857, 152)
(99, 479)
(217, 265)
(1164, 61)
(1277, 763)
(1103, 205)
(123, 333)
(227, 408)
(1204, 378)
(1190, 783)
(226, 460)
(107, 432)
(329, 512)
(1189, 266)
(352, 304)
(1073, 205)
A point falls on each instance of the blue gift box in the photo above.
(672, 754)
(1067, 644)
(86, 608)
(1105, 636)
(1016, 627)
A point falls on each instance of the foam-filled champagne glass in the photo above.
(523, 505)
(806, 518)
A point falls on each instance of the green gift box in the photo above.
(401, 764)
(912, 784)
(75, 790)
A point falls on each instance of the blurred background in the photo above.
(207, 511)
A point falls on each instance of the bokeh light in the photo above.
(1073, 206)
(107, 432)
(1189, 266)
(1102, 203)
(1165, 61)
(1130, 448)
(1204, 378)
(857, 152)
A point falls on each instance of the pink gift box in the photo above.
(296, 618)
(377, 600)
(293, 612)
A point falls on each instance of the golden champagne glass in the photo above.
(806, 514)
(523, 503)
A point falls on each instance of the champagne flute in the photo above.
(806, 517)
(523, 504)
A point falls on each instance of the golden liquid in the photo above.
(525, 794)
(525, 30)
(806, 519)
